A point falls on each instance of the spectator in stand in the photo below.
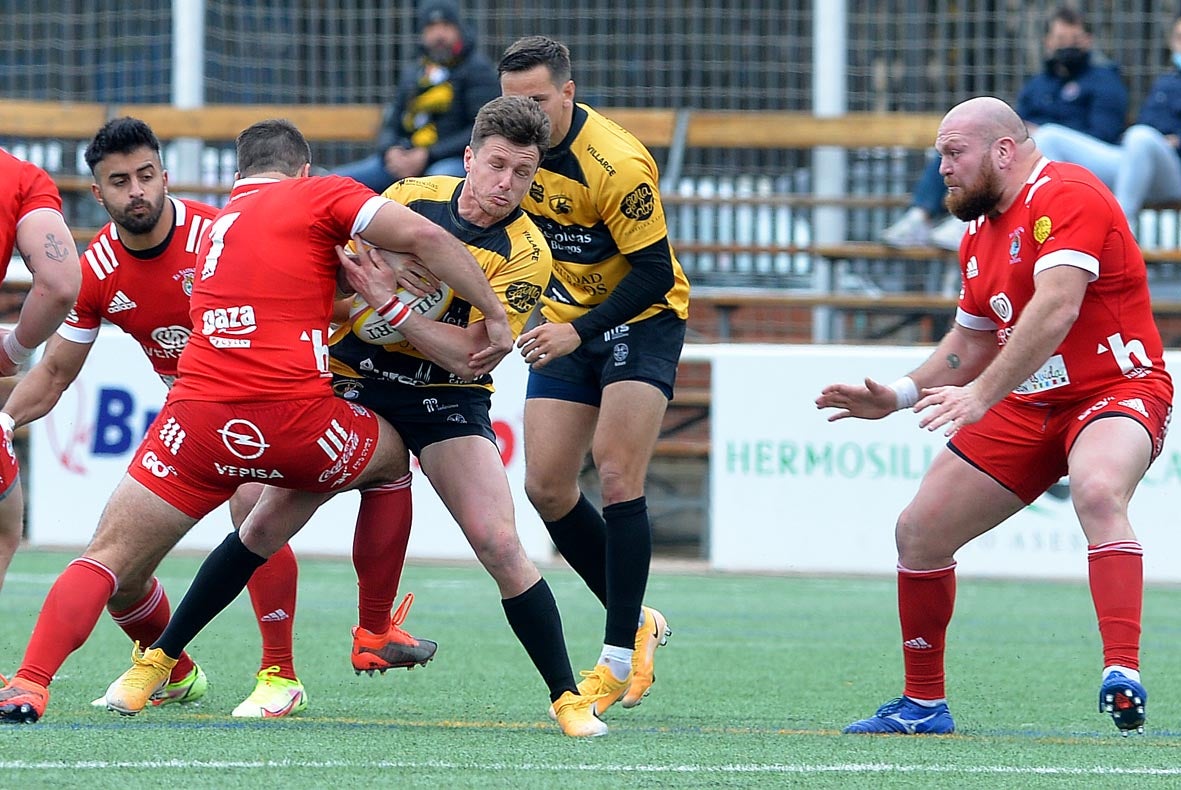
(1145, 166)
(1079, 91)
(427, 127)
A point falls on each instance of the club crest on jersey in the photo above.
(639, 203)
(560, 204)
(243, 438)
(185, 278)
(1042, 228)
(522, 295)
(349, 389)
(1015, 245)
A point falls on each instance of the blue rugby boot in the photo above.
(1124, 699)
(904, 716)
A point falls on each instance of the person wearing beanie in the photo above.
(425, 129)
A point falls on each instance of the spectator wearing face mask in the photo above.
(1078, 94)
(426, 128)
(1144, 166)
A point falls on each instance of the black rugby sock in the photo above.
(218, 582)
(629, 553)
(581, 538)
(533, 616)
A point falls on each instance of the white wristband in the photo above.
(7, 423)
(906, 394)
(15, 351)
(395, 312)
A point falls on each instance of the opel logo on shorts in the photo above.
(243, 439)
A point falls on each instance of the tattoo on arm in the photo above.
(953, 361)
(55, 250)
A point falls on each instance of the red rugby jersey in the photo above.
(26, 188)
(148, 298)
(262, 298)
(1065, 216)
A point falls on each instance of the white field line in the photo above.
(558, 768)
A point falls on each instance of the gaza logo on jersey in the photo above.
(522, 295)
(639, 203)
(1002, 307)
(237, 320)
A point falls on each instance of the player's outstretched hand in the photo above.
(869, 401)
(953, 407)
(545, 343)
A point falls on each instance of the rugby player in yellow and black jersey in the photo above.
(603, 365)
(443, 415)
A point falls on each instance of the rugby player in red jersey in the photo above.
(137, 274)
(1054, 366)
(253, 398)
(31, 222)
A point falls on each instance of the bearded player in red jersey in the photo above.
(31, 221)
(138, 274)
(1054, 366)
(253, 397)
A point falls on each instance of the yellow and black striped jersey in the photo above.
(596, 199)
(512, 253)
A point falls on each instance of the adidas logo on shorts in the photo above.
(1135, 404)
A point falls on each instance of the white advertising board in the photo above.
(79, 452)
(793, 492)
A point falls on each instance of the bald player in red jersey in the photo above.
(253, 399)
(137, 274)
(1054, 366)
(31, 222)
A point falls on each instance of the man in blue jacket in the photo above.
(1144, 166)
(428, 125)
(1079, 94)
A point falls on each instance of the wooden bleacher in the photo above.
(657, 128)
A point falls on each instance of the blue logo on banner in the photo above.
(114, 431)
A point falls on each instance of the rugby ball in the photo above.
(371, 328)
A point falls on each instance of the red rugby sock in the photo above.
(926, 600)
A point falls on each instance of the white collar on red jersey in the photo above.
(1037, 170)
(245, 182)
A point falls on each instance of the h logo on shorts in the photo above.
(244, 439)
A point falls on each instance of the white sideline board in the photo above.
(793, 492)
